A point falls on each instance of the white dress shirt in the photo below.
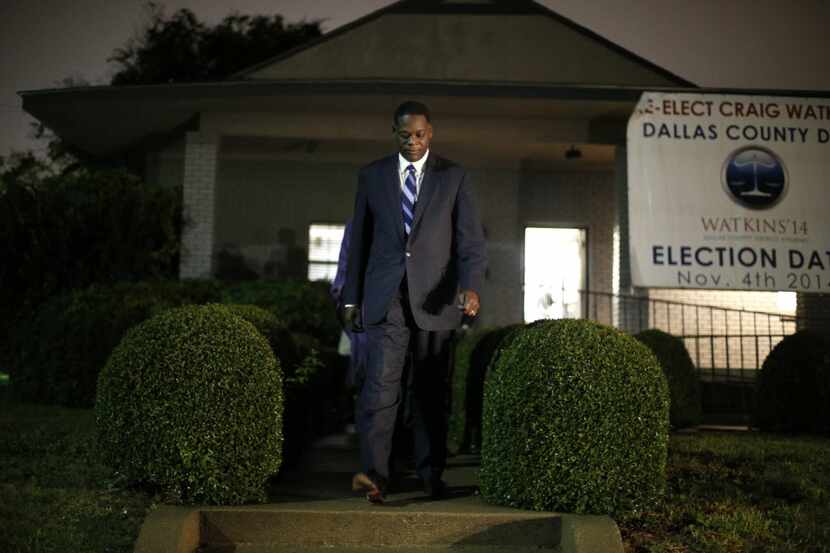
(403, 163)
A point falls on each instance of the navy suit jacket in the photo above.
(444, 253)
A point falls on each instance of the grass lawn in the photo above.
(741, 492)
(727, 492)
(54, 493)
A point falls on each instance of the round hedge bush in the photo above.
(684, 386)
(575, 420)
(190, 402)
(794, 385)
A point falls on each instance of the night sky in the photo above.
(776, 44)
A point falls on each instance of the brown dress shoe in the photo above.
(374, 494)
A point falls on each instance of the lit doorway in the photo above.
(555, 272)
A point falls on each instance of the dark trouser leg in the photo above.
(377, 407)
(431, 400)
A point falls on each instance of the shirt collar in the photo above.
(403, 163)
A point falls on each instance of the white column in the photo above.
(630, 314)
(199, 194)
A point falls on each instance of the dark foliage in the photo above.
(684, 386)
(58, 352)
(302, 306)
(64, 232)
(278, 336)
(794, 385)
(304, 382)
(473, 354)
(576, 419)
(182, 49)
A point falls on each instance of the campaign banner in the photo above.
(729, 192)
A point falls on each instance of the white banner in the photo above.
(729, 192)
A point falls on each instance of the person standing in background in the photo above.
(356, 340)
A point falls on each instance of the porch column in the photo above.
(198, 203)
(630, 315)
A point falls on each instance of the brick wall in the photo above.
(814, 312)
(574, 199)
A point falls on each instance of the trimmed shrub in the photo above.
(304, 307)
(190, 402)
(794, 385)
(472, 356)
(684, 386)
(303, 386)
(59, 352)
(305, 398)
(458, 432)
(575, 420)
(327, 399)
(279, 338)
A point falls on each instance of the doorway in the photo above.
(555, 270)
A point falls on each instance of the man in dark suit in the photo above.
(416, 266)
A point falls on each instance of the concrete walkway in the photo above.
(312, 508)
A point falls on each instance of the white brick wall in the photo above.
(741, 334)
(199, 192)
(814, 312)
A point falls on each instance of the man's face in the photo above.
(413, 134)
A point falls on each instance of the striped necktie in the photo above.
(410, 193)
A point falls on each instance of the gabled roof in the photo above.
(466, 40)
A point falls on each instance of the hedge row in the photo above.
(794, 385)
(58, 352)
(62, 232)
(677, 365)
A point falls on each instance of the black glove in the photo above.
(351, 318)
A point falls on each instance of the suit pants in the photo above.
(390, 343)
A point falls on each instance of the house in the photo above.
(533, 104)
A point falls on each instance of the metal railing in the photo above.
(727, 345)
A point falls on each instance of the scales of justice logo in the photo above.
(754, 177)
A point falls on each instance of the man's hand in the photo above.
(468, 301)
(351, 318)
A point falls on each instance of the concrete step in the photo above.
(259, 548)
(313, 510)
(379, 528)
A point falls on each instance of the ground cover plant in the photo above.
(55, 493)
(739, 492)
(743, 492)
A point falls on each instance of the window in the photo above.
(323, 250)
(555, 272)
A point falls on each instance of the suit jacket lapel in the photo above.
(432, 180)
(392, 184)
